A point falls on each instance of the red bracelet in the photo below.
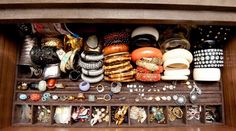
(144, 70)
(148, 77)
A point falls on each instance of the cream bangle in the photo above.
(176, 63)
(176, 77)
(92, 72)
(71, 62)
(88, 57)
(206, 74)
(64, 61)
(147, 65)
(92, 79)
(178, 53)
(173, 72)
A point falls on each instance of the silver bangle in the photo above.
(92, 79)
(90, 65)
(92, 72)
(100, 88)
(89, 57)
(116, 87)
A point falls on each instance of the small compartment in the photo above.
(213, 114)
(41, 115)
(176, 115)
(195, 114)
(100, 116)
(23, 114)
(119, 115)
(157, 115)
(61, 115)
(26, 71)
(81, 116)
(138, 115)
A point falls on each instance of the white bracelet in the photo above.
(92, 72)
(173, 72)
(176, 63)
(176, 77)
(178, 53)
(88, 57)
(145, 30)
(92, 79)
(90, 65)
(206, 74)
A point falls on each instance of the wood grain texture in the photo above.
(229, 82)
(7, 75)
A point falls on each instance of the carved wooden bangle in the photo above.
(125, 74)
(117, 59)
(147, 77)
(124, 69)
(116, 66)
(148, 52)
(115, 48)
(121, 79)
(144, 70)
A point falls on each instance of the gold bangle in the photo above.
(116, 66)
(124, 69)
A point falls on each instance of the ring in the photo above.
(92, 79)
(92, 72)
(90, 65)
(116, 87)
(84, 86)
(177, 111)
(64, 61)
(107, 97)
(91, 57)
(91, 98)
(100, 88)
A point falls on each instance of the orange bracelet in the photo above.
(146, 52)
(144, 70)
(115, 48)
(148, 77)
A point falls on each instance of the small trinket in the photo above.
(81, 96)
(181, 100)
(35, 97)
(157, 98)
(99, 115)
(157, 114)
(43, 114)
(119, 116)
(84, 86)
(91, 98)
(23, 97)
(42, 85)
(51, 83)
(22, 86)
(54, 97)
(138, 113)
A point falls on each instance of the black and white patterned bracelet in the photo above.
(90, 65)
(91, 57)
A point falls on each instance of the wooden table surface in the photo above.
(209, 128)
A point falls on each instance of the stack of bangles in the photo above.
(148, 61)
(117, 66)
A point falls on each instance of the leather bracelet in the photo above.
(206, 74)
(147, 65)
(124, 74)
(90, 65)
(145, 30)
(121, 79)
(120, 70)
(92, 79)
(115, 49)
(144, 70)
(176, 77)
(173, 72)
(178, 53)
(64, 61)
(147, 52)
(91, 57)
(117, 59)
(147, 77)
(176, 63)
(92, 72)
(116, 66)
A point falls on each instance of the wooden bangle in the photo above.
(144, 70)
(147, 77)
(125, 74)
(115, 48)
(116, 66)
(148, 52)
(117, 59)
(122, 79)
(147, 65)
(124, 69)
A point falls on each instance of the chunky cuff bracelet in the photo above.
(115, 48)
(145, 52)
(144, 40)
(173, 72)
(90, 65)
(144, 70)
(178, 53)
(147, 65)
(206, 74)
(114, 59)
(124, 74)
(92, 72)
(92, 79)
(208, 58)
(120, 70)
(176, 63)
(91, 57)
(175, 77)
(121, 79)
(147, 77)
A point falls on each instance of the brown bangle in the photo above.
(115, 48)
(147, 77)
(125, 74)
(117, 59)
(121, 79)
(124, 69)
(116, 66)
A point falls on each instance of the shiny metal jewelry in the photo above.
(181, 100)
(100, 88)
(193, 96)
(106, 97)
(89, 57)
(116, 87)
